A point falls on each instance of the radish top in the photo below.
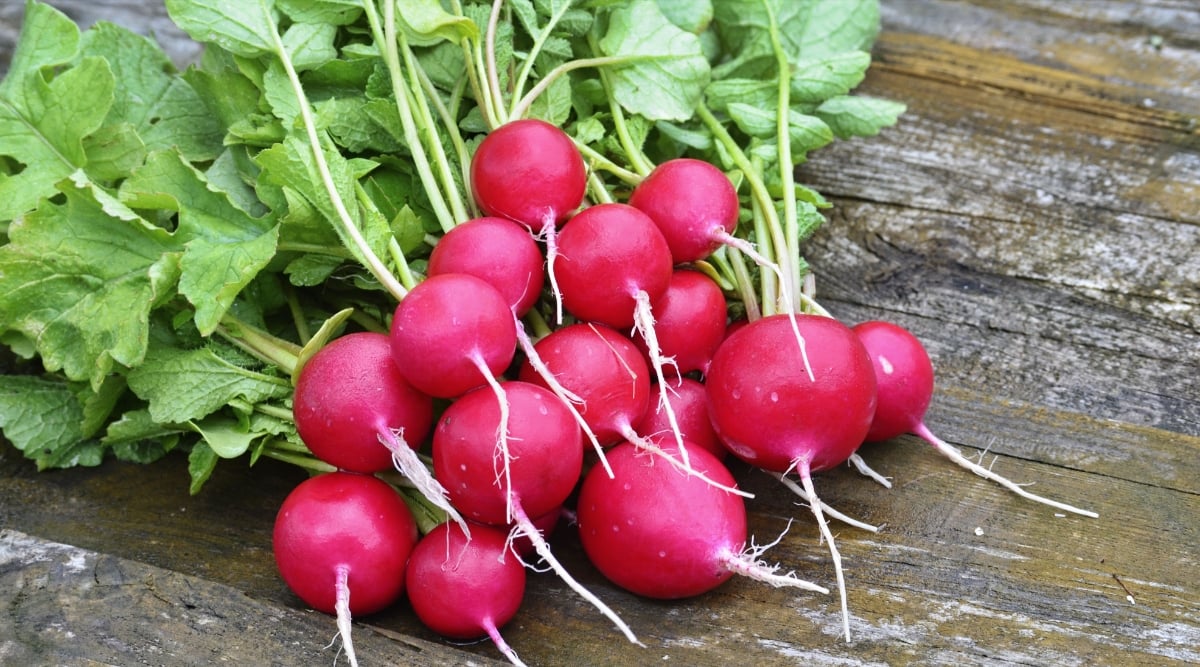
(692, 202)
(529, 171)
(767, 410)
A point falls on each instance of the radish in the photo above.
(693, 203)
(464, 587)
(497, 250)
(690, 401)
(659, 533)
(341, 541)
(785, 414)
(904, 374)
(690, 320)
(530, 171)
(451, 333)
(531, 477)
(606, 370)
(615, 263)
(355, 411)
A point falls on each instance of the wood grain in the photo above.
(1034, 218)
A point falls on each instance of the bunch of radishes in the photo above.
(632, 397)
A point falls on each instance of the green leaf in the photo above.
(186, 385)
(225, 437)
(163, 108)
(814, 81)
(310, 45)
(244, 27)
(858, 116)
(668, 70)
(137, 438)
(225, 246)
(330, 12)
(85, 303)
(426, 22)
(691, 15)
(43, 419)
(42, 127)
(202, 461)
(808, 29)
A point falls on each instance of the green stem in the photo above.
(385, 36)
(303, 461)
(297, 313)
(599, 161)
(277, 412)
(538, 43)
(260, 344)
(493, 73)
(791, 249)
(370, 259)
(771, 233)
(522, 107)
(637, 159)
(315, 249)
(441, 161)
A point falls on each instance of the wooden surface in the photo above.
(1034, 218)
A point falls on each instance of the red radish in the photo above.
(540, 469)
(498, 251)
(689, 320)
(530, 476)
(657, 532)
(464, 587)
(904, 374)
(454, 332)
(355, 411)
(693, 203)
(451, 333)
(606, 370)
(602, 367)
(690, 401)
(530, 171)
(611, 253)
(783, 413)
(341, 541)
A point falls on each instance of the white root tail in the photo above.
(749, 563)
(833, 513)
(954, 454)
(494, 634)
(806, 480)
(525, 527)
(342, 607)
(406, 461)
(502, 459)
(862, 467)
(648, 445)
(643, 322)
(785, 290)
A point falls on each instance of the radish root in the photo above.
(954, 454)
(494, 633)
(865, 469)
(643, 320)
(833, 513)
(750, 564)
(806, 480)
(406, 461)
(646, 444)
(342, 607)
(525, 527)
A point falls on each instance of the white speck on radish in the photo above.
(886, 365)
